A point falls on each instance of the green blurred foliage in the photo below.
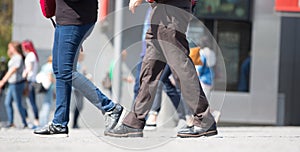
(5, 25)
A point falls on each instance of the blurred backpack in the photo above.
(195, 55)
(48, 8)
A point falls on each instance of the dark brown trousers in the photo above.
(166, 43)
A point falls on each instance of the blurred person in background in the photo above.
(146, 26)
(206, 73)
(3, 70)
(46, 78)
(207, 60)
(107, 81)
(30, 72)
(244, 80)
(15, 83)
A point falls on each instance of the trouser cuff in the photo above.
(131, 120)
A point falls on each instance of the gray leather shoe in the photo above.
(125, 131)
(112, 117)
(194, 131)
(52, 130)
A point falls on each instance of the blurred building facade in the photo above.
(267, 32)
(242, 28)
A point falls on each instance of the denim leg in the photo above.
(169, 88)
(75, 118)
(67, 41)
(46, 106)
(187, 110)
(32, 100)
(137, 78)
(163, 79)
(8, 104)
(17, 96)
(78, 98)
(174, 94)
(157, 100)
(86, 88)
(91, 92)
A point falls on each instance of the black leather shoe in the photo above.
(124, 131)
(112, 117)
(194, 131)
(52, 131)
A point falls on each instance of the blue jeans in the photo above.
(32, 99)
(137, 78)
(14, 93)
(46, 106)
(67, 43)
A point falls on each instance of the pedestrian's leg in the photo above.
(32, 100)
(8, 105)
(75, 119)
(78, 98)
(152, 67)
(63, 85)
(158, 97)
(67, 43)
(176, 50)
(111, 110)
(92, 93)
(175, 97)
(88, 89)
(137, 79)
(156, 106)
(155, 109)
(169, 88)
(17, 95)
(46, 106)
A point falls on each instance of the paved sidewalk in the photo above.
(231, 139)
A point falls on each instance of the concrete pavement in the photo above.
(231, 139)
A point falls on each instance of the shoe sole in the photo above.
(52, 135)
(131, 134)
(207, 134)
(150, 128)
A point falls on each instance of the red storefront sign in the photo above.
(103, 12)
(287, 5)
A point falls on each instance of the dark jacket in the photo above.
(76, 12)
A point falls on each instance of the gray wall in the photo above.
(289, 75)
(259, 106)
